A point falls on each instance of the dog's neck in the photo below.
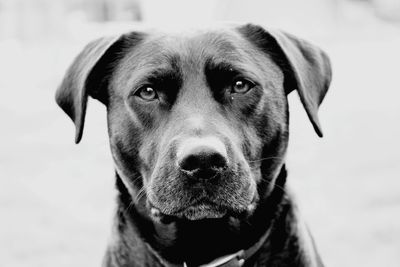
(197, 242)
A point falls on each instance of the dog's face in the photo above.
(197, 122)
(190, 115)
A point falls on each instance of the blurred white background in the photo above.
(57, 199)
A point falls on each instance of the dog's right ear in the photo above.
(306, 67)
(88, 75)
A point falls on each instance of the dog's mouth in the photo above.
(203, 209)
(181, 192)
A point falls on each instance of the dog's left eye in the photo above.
(147, 93)
(241, 86)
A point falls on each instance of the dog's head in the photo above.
(197, 121)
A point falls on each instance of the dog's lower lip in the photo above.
(204, 210)
(195, 211)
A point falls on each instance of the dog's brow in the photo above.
(228, 69)
(162, 74)
(165, 73)
(221, 67)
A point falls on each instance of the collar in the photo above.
(232, 260)
(237, 259)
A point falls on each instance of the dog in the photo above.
(198, 125)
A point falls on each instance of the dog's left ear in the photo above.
(306, 67)
(88, 75)
(73, 92)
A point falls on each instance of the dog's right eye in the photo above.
(147, 93)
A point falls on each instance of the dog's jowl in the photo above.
(198, 130)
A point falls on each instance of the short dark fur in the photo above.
(166, 215)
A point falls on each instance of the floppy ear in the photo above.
(88, 75)
(306, 67)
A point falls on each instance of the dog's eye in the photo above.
(241, 86)
(147, 93)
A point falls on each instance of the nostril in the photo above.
(190, 163)
(217, 161)
(203, 160)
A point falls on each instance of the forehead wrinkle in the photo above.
(219, 46)
(229, 48)
(157, 62)
(194, 50)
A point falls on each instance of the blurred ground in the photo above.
(56, 199)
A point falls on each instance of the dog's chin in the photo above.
(200, 211)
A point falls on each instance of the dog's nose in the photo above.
(202, 157)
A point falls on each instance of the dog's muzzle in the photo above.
(199, 177)
(202, 158)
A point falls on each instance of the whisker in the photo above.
(262, 159)
(129, 206)
(140, 194)
(275, 185)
